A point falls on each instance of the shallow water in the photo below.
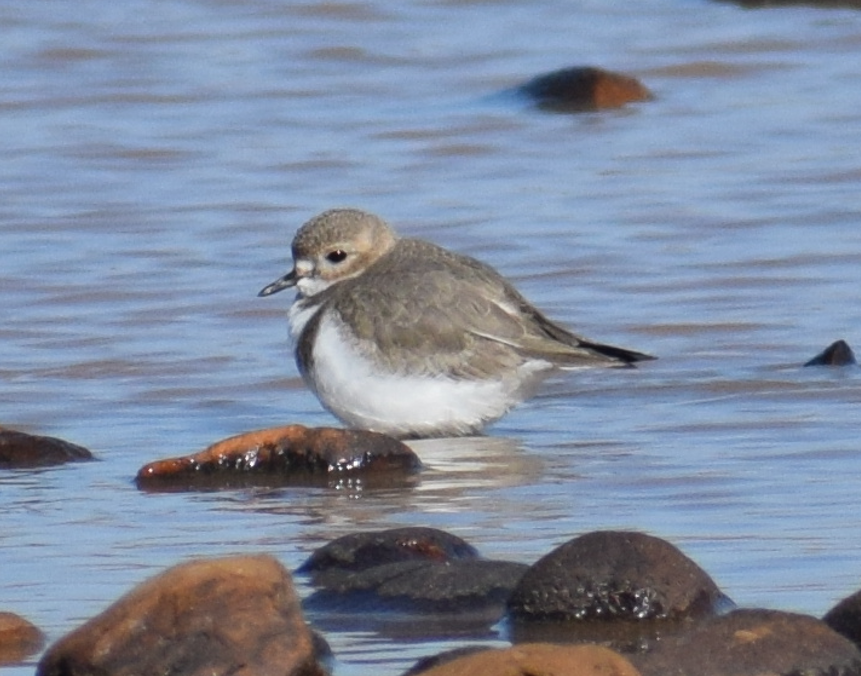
(158, 157)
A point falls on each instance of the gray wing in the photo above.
(461, 316)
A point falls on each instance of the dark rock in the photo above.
(292, 455)
(410, 579)
(529, 659)
(845, 618)
(431, 661)
(610, 575)
(837, 354)
(18, 638)
(754, 643)
(760, 4)
(360, 551)
(20, 450)
(236, 616)
(579, 89)
(422, 587)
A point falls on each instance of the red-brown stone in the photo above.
(537, 659)
(584, 88)
(18, 638)
(237, 615)
(288, 455)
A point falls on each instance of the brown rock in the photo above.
(754, 643)
(287, 456)
(18, 638)
(837, 354)
(19, 449)
(611, 575)
(236, 616)
(845, 618)
(578, 89)
(534, 659)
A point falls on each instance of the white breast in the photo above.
(358, 392)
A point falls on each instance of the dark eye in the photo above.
(336, 256)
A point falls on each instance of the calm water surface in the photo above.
(157, 158)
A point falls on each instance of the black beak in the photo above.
(280, 284)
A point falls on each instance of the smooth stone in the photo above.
(236, 615)
(22, 450)
(845, 618)
(753, 642)
(579, 89)
(291, 455)
(18, 638)
(837, 354)
(615, 575)
(360, 551)
(532, 659)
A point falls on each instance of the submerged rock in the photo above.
(837, 354)
(411, 579)
(579, 89)
(753, 643)
(21, 450)
(292, 455)
(237, 615)
(529, 659)
(360, 551)
(18, 638)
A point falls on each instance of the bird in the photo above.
(403, 337)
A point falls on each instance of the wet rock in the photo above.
(18, 638)
(845, 618)
(360, 551)
(433, 577)
(21, 450)
(837, 354)
(292, 455)
(237, 615)
(579, 89)
(612, 575)
(529, 659)
(754, 643)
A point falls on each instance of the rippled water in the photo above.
(157, 158)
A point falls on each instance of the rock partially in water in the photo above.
(845, 618)
(529, 659)
(236, 615)
(585, 88)
(22, 450)
(292, 455)
(622, 588)
(360, 551)
(837, 354)
(754, 643)
(410, 579)
(18, 638)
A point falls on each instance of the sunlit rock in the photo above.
(529, 659)
(578, 89)
(837, 354)
(753, 643)
(292, 455)
(18, 638)
(624, 588)
(237, 615)
(19, 449)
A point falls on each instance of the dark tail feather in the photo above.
(618, 353)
